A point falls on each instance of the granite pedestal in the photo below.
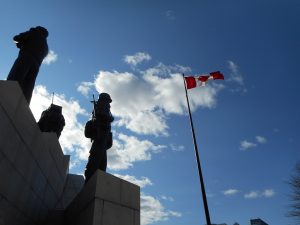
(105, 200)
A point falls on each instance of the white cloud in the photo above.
(251, 195)
(142, 103)
(268, 193)
(128, 149)
(230, 192)
(163, 70)
(146, 122)
(167, 198)
(177, 148)
(261, 140)
(143, 182)
(246, 145)
(170, 14)
(235, 74)
(50, 58)
(85, 87)
(236, 77)
(137, 58)
(153, 211)
(175, 214)
(234, 69)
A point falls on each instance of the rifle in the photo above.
(90, 128)
(94, 110)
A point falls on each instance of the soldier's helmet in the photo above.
(42, 30)
(105, 97)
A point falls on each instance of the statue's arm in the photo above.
(105, 114)
(21, 37)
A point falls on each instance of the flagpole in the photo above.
(197, 158)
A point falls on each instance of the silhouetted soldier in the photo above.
(33, 49)
(52, 120)
(99, 130)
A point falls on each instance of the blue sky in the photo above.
(247, 126)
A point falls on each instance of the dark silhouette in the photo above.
(99, 130)
(257, 221)
(33, 49)
(295, 197)
(52, 120)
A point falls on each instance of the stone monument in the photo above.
(36, 187)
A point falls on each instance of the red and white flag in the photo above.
(194, 81)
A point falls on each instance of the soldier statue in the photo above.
(52, 120)
(99, 130)
(33, 49)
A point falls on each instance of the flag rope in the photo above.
(197, 158)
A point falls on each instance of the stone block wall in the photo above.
(73, 186)
(33, 168)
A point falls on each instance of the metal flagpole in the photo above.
(197, 158)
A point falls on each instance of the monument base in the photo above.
(105, 200)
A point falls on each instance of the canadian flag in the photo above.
(194, 81)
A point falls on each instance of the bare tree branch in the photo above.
(295, 197)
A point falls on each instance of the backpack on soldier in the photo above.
(90, 129)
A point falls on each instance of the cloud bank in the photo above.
(142, 102)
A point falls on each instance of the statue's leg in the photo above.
(95, 158)
(98, 158)
(103, 160)
(24, 70)
(29, 81)
(103, 153)
(19, 69)
(89, 169)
